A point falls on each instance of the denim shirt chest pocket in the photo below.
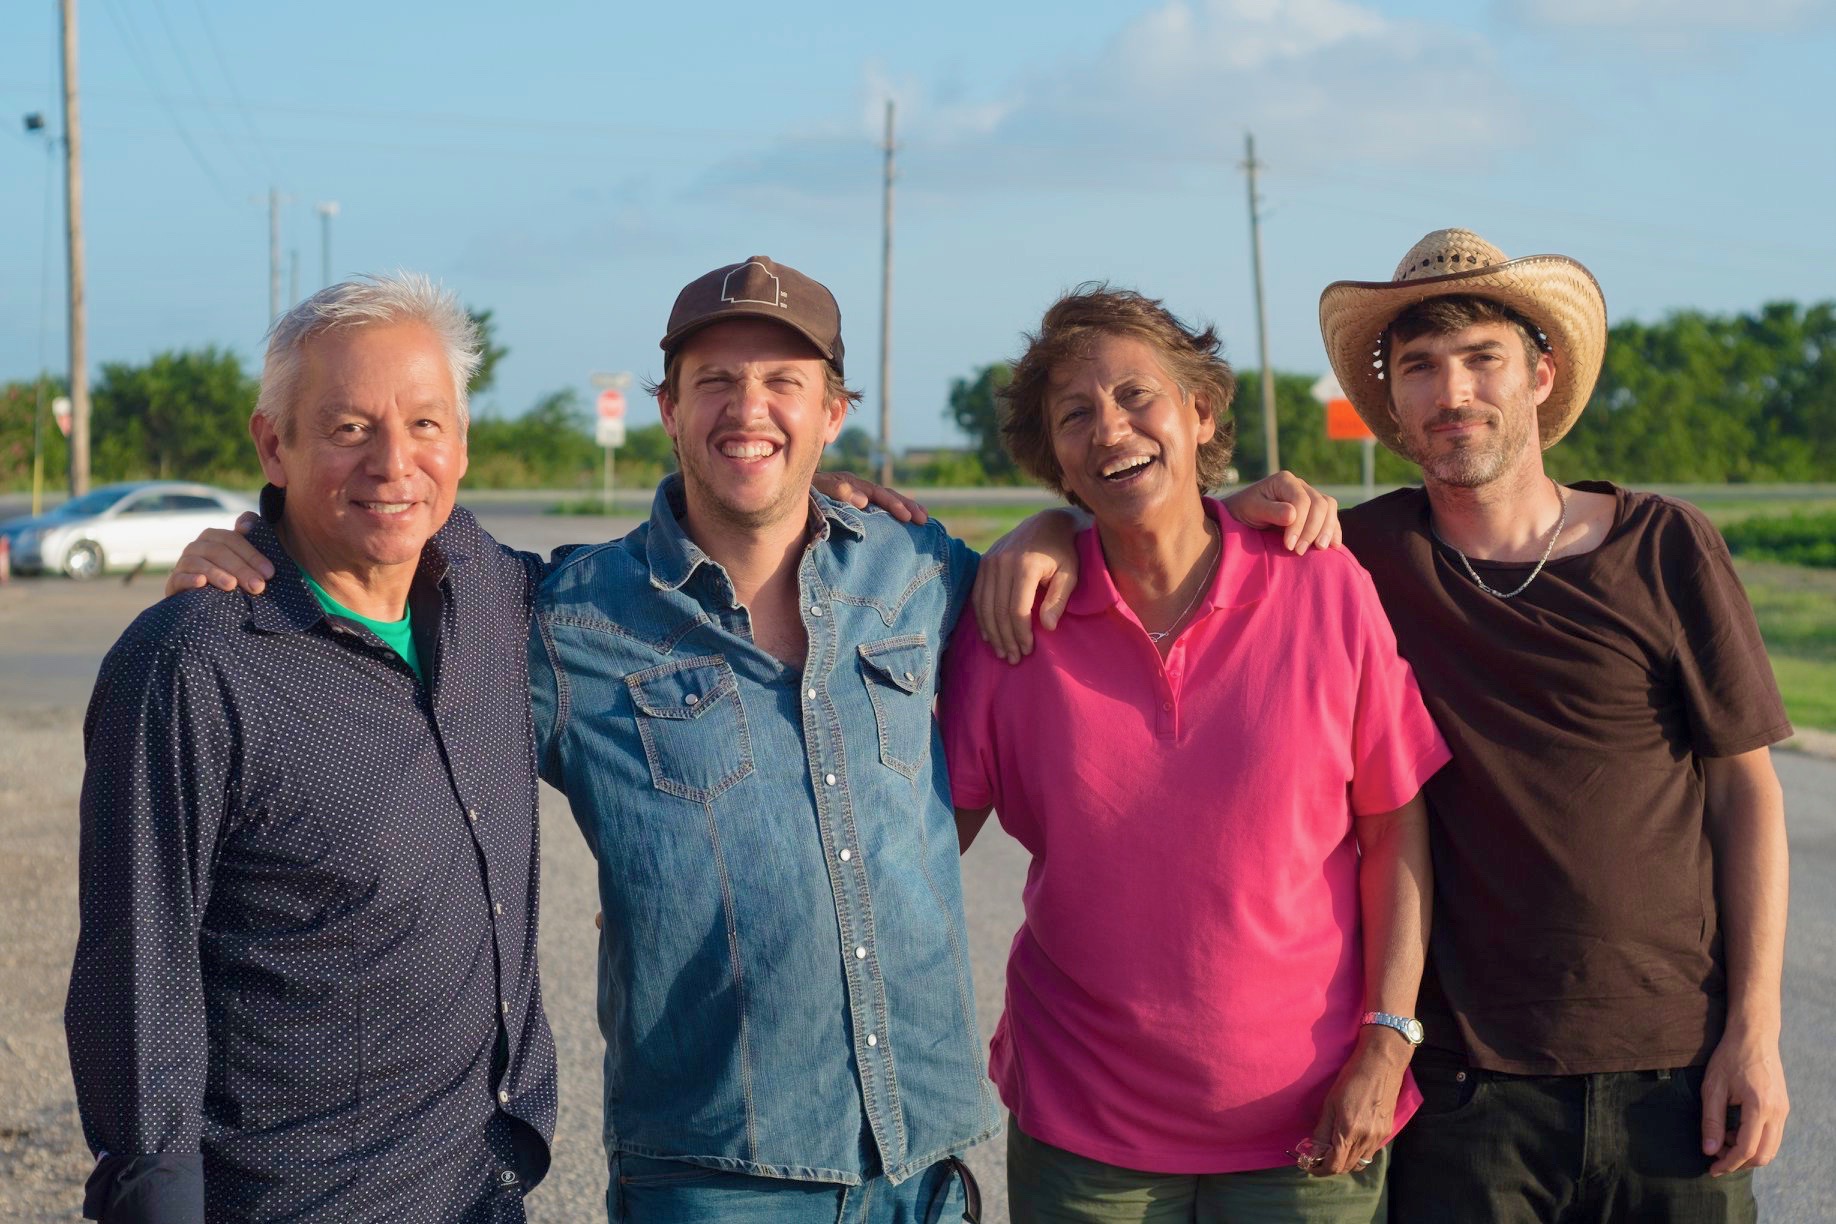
(693, 727)
(897, 673)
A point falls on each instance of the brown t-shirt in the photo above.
(1575, 923)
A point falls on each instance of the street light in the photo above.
(326, 210)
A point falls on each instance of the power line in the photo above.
(248, 120)
(137, 52)
(184, 62)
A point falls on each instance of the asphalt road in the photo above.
(52, 636)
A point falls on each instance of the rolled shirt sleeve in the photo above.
(159, 759)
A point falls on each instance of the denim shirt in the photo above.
(784, 973)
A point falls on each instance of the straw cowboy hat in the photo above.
(1554, 292)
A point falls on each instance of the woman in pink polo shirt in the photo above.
(1216, 761)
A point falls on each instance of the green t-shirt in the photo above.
(397, 635)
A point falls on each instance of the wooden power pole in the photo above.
(886, 247)
(1267, 378)
(73, 232)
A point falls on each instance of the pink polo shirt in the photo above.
(1188, 979)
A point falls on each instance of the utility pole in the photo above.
(73, 230)
(327, 210)
(1267, 379)
(886, 247)
(274, 254)
(293, 278)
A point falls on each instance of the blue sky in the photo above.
(571, 165)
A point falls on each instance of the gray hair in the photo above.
(406, 297)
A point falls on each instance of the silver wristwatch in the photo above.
(1408, 1026)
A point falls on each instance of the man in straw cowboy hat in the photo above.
(1601, 1004)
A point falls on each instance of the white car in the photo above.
(121, 527)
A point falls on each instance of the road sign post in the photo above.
(610, 431)
(1343, 424)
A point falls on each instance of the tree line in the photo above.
(1695, 397)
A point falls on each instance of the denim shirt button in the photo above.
(846, 854)
(811, 694)
(873, 1039)
(691, 699)
(829, 779)
(860, 953)
(815, 609)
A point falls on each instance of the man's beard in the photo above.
(793, 496)
(1479, 461)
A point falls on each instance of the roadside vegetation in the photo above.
(1733, 404)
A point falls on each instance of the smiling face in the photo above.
(1125, 435)
(749, 413)
(1465, 402)
(372, 456)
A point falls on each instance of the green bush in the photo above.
(1794, 539)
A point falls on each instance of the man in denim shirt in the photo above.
(736, 699)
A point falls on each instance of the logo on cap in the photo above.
(763, 289)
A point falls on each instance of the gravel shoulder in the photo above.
(53, 634)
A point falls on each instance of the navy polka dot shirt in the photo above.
(306, 987)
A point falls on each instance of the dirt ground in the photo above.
(53, 634)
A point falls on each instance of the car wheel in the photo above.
(84, 560)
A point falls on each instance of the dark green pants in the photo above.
(1559, 1149)
(1048, 1185)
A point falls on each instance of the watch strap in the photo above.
(1408, 1027)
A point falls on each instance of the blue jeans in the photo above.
(648, 1191)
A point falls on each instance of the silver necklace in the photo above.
(1164, 634)
(1561, 521)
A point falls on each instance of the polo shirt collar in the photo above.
(289, 605)
(673, 557)
(1242, 576)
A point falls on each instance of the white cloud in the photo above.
(1666, 19)
(1320, 82)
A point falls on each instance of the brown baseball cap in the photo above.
(758, 288)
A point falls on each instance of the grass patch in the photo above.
(1796, 539)
(980, 526)
(594, 506)
(1810, 691)
(1796, 608)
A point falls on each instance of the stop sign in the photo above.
(611, 431)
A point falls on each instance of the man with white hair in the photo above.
(305, 987)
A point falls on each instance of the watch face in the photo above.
(1412, 1029)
